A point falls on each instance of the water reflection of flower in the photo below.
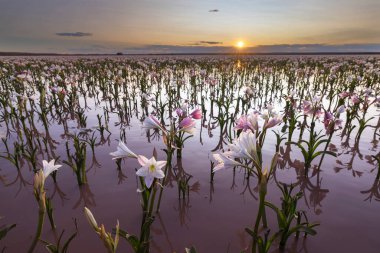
(316, 192)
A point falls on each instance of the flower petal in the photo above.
(142, 172)
(143, 161)
(158, 174)
(160, 164)
(148, 181)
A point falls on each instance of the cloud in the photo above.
(205, 42)
(74, 34)
(210, 42)
(214, 10)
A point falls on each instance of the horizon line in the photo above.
(203, 53)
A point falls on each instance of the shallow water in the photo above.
(214, 216)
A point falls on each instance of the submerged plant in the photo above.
(246, 148)
(58, 248)
(77, 161)
(264, 244)
(150, 175)
(289, 219)
(44, 99)
(174, 136)
(310, 149)
(40, 195)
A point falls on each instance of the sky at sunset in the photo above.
(189, 26)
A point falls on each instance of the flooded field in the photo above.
(223, 153)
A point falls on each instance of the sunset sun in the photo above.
(240, 44)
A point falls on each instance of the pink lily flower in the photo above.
(307, 106)
(242, 123)
(152, 122)
(344, 94)
(179, 112)
(187, 125)
(196, 114)
(273, 121)
(327, 119)
(246, 122)
(355, 99)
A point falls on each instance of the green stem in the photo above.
(152, 198)
(41, 216)
(164, 180)
(260, 216)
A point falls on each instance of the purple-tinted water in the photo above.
(343, 199)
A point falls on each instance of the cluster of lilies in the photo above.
(308, 103)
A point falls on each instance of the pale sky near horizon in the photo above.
(88, 26)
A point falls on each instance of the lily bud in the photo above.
(91, 219)
(38, 184)
(116, 241)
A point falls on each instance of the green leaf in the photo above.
(316, 145)
(131, 239)
(280, 216)
(323, 152)
(303, 228)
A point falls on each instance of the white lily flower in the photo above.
(224, 162)
(49, 167)
(150, 169)
(243, 147)
(122, 152)
(253, 121)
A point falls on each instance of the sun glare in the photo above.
(240, 44)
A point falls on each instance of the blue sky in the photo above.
(170, 26)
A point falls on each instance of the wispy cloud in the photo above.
(205, 43)
(214, 10)
(74, 34)
(210, 42)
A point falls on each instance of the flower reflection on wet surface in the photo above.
(203, 150)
